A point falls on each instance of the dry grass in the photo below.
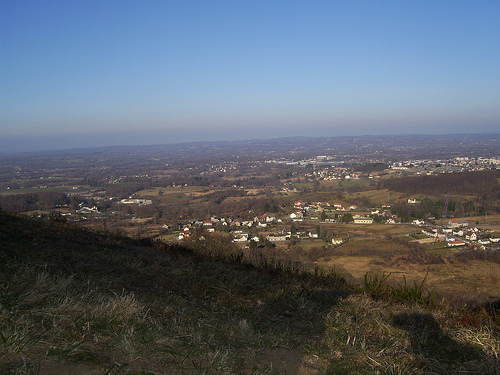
(483, 219)
(117, 305)
(170, 192)
(87, 303)
(477, 281)
(363, 230)
(377, 337)
(381, 247)
(378, 197)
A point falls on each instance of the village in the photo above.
(271, 230)
(260, 196)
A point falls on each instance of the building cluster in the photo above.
(186, 229)
(457, 233)
(137, 201)
(223, 167)
(239, 228)
(300, 209)
(336, 173)
(458, 164)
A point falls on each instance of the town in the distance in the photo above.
(383, 201)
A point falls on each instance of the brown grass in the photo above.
(82, 302)
(477, 281)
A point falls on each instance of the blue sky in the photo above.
(84, 73)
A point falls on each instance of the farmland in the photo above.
(282, 198)
(253, 257)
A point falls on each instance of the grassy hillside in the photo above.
(81, 302)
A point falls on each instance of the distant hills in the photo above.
(370, 146)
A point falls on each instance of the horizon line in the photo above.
(222, 141)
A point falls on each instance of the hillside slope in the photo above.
(82, 302)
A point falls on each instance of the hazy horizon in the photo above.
(79, 74)
(67, 143)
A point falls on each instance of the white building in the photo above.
(363, 220)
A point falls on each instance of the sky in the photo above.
(95, 73)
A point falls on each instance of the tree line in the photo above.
(483, 183)
(32, 201)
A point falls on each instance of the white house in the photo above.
(136, 201)
(276, 238)
(337, 241)
(240, 239)
(456, 243)
(430, 232)
(88, 210)
(471, 236)
(454, 223)
(270, 219)
(363, 220)
(296, 215)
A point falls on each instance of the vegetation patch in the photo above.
(72, 298)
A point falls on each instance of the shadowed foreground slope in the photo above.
(81, 302)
